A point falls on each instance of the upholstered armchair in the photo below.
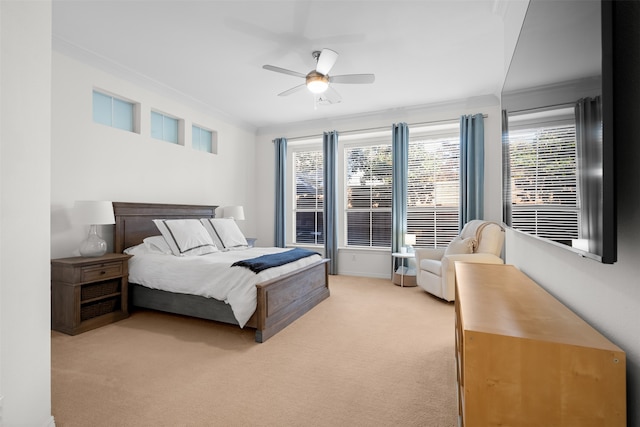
(480, 242)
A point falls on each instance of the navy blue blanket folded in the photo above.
(274, 260)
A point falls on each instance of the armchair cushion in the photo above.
(460, 246)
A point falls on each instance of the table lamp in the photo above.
(234, 212)
(93, 213)
(410, 240)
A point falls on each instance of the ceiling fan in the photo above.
(317, 81)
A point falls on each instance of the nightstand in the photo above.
(87, 293)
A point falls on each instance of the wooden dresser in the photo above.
(524, 359)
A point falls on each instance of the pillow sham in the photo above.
(157, 244)
(186, 237)
(225, 232)
(461, 246)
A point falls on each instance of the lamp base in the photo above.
(93, 245)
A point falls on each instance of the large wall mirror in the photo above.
(557, 137)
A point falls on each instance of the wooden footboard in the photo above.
(283, 300)
(280, 301)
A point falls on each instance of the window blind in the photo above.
(544, 186)
(433, 189)
(309, 197)
(368, 183)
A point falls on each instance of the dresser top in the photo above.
(500, 299)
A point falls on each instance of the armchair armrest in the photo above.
(428, 253)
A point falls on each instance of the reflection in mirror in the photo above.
(552, 128)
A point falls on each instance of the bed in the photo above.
(280, 301)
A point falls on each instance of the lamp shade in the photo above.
(235, 212)
(316, 82)
(409, 239)
(93, 212)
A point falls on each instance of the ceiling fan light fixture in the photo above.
(316, 82)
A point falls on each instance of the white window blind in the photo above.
(369, 185)
(433, 189)
(544, 188)
(309, 197)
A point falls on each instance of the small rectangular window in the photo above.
(165, 127)
(203, 139)
(112, 111)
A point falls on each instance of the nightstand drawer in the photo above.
(100, 289)
(102, 271)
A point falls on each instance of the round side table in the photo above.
(403, 256)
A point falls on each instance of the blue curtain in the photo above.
(330, 153)
(281, 191)
(400, 158)
(471, 168)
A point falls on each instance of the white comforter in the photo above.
(209, 275)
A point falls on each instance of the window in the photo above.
(368, 185)
(544, 188)
(309, 195)
(164, 127)
(112, 111)
(203, 139)
(433, 190)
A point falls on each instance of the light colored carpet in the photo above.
(372, 354)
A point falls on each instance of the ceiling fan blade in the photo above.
(330, 96)
(326, 60)
(292, 90)
(353, 78)
(283, 71)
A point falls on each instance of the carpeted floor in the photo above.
(372, 354)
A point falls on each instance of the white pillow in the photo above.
(144, 249)
(186, 237)
(461, 246)
(157, 244)
(225, 233)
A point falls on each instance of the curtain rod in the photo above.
(378, 129)
(543, 108)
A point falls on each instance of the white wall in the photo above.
(606, 296)
(90, 161)
(375, 263)
(25, 120)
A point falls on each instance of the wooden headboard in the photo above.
(134, 221)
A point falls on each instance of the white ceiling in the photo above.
(421, 52)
